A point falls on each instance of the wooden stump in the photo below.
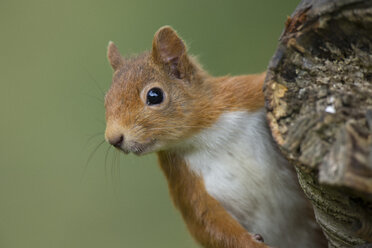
(319, 100)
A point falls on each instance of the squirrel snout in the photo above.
(116, 141)
(114, 134)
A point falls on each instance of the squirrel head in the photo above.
(155, 97)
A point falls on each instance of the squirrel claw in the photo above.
(258, 237)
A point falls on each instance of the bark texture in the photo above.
(318, 94)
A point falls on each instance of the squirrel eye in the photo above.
(154, 96)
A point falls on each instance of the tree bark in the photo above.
(318, 94)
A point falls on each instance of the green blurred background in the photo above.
(53, 75)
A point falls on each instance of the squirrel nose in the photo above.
(117, 141)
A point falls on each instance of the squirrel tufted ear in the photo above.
(169, 49)
(114, 56)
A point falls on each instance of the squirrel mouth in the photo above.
(139, 148)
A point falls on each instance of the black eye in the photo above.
(154, 96)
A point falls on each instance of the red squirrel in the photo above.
(224, 171)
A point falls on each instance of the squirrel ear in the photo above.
(114, 56)
(168, 49)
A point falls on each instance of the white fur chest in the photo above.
(242, 169)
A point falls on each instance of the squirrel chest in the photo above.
(243, 171)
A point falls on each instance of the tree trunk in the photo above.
(319, 100)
